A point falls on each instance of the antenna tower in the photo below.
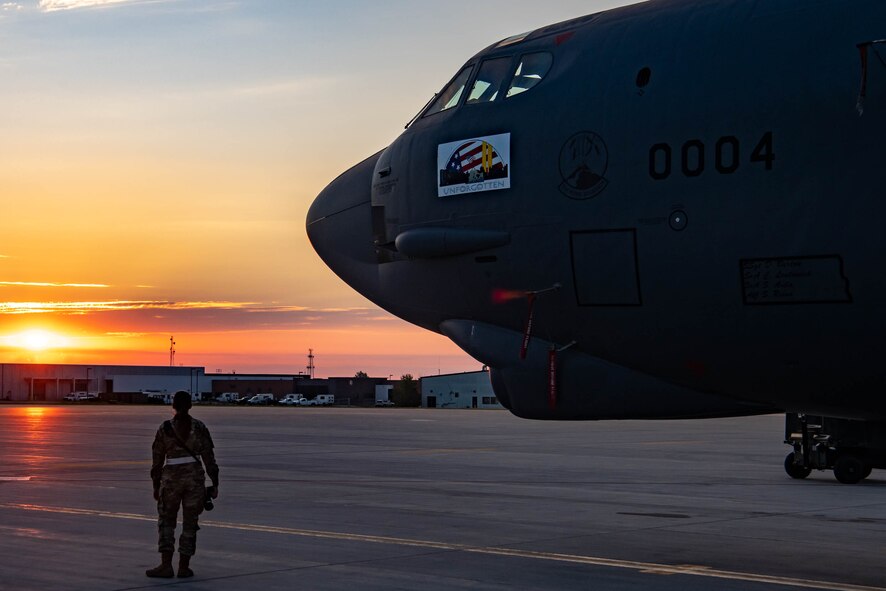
(171, 352)
(311, 363)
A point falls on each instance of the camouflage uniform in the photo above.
(181, 484)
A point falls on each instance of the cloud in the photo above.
(111, 306)
(48, 284)
(300, 86)
(149, 315)
(54, 5)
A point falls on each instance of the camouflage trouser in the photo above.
(180, 485)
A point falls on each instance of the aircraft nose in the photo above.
(339, 226)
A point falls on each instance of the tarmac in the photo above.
(420, 499)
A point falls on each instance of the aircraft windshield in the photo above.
(450, 95)
(530, 71)
(487, 87)
(492, 73)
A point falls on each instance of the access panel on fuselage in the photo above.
(604, 267)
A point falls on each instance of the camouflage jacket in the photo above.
(166, 445)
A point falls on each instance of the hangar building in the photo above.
(23, 382)
(471, 389)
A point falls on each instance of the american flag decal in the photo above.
(474, 165)
(475, 155)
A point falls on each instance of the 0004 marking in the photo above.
(693, 156)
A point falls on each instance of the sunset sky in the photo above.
(158, 157)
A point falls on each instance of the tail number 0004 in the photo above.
(691, 157)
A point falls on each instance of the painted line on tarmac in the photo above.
(14, 478)
(443, 450)
(642, 567)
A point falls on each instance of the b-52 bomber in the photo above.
(668, 210)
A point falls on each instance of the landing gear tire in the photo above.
(849, 469)
(795, 471)
(867, 471)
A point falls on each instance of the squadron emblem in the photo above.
(583, 162)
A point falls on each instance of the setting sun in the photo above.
(36, 340)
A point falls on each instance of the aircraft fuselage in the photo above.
(690, 188)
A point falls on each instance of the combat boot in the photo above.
(183, 571)
(164, 570)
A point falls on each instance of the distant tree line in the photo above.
(405, 391)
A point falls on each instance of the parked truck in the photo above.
(319, 400)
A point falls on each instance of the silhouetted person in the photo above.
(179, 479)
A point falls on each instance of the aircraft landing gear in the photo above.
(795, 469)
(850, 448)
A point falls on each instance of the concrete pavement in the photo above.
(336, 498)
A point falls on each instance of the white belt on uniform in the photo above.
(177, 461)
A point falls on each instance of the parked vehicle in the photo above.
(262, 399)
(164, 397)
(292, 399)
(307, 402)
(81, 396)
(384, 403)
(325, 399)
(228, 397)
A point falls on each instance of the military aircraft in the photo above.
(667, 210)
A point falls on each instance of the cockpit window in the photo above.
(530, 71)
(488, 83)
(450, 95)
(487, 88)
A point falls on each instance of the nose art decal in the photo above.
(475, 165)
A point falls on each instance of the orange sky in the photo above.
(157, 160)
(226, 336)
